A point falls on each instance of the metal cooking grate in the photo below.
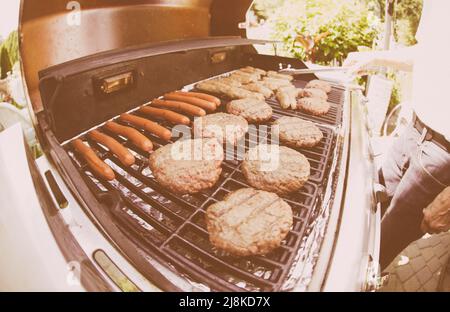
(173, 227)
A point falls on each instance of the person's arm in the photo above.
(436, 217)
(401, 59)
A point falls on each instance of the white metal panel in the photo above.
(358, 235)
(30, 259)
(88, 236)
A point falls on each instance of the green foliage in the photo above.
(36, 151)
(5, 63)
(396, 92)
(264, 9)
(341, 26)
(322, 31)
(9, 54)
(407, 17)
(345, 37)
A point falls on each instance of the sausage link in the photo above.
(166, 115)
(115, 147)
(133, 135)
(148, 125)
(180, 106)
(203, 96)
(206, 105)
(93, 161)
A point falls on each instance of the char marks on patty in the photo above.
(187, 166)
(253, 110)
(297, 132)
(248, 222)
(224, 127)
(313, 106)
(319, 84)
(274, 168)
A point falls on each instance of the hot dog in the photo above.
(93, 161)
(121, 152)
(180, 106)
(133, 135)
(166, 115)
(148, 125)
(206, 105)
(202, 96)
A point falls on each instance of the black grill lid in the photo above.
(56, 31)
(75, 94)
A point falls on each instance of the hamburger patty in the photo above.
(274, 168)
(227, 81)
(319, 84)
(296, 132)
(248, 222)
(253, 110)
(273, 83)
(225, 87)
(258, 88)
(314, 93)
(187, 166)
(224, 127)
(244, 77)
(314, 106)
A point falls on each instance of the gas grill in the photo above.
(172, 227)
(161, 234)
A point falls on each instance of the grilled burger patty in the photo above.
(274, 84)
(258, 88)
(314, 106)
(319, 84)
(274, 168)
(187, 166)
(314, 93)
(224, 127)
(248, 222)
(253, 110)
(297, 132)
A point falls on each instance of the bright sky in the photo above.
(9, 16)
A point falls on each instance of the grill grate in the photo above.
(173, 227)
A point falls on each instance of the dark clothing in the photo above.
(415, 172)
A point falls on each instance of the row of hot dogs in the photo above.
(175, 107)
(179, 107)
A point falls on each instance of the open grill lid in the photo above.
(83, 93)
(56, 31)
